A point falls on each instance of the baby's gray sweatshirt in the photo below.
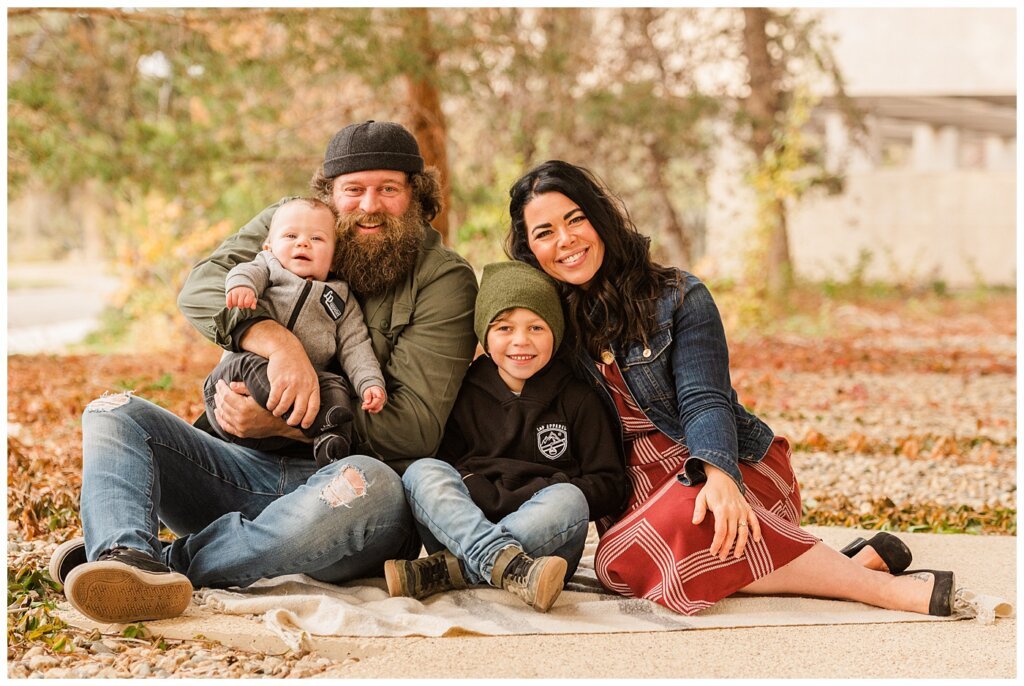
(324, 315)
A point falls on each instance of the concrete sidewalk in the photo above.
(959, 649)
(39, 318)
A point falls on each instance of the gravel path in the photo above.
(866, 478)
(121, 658)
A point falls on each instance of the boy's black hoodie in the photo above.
(556, 431)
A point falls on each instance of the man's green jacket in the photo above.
(421, 331)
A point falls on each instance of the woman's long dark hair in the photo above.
(621, 312)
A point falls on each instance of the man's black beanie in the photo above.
(372, 145)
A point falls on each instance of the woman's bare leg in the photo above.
(827, 573)
(869, 559)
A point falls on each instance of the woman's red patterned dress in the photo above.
(654, 551)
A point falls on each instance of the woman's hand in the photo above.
(734, 518)
(240, 415)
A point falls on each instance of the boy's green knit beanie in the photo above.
(507, 285)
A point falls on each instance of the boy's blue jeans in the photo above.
(241, 514)
(552, 522)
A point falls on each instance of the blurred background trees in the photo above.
(147, 136)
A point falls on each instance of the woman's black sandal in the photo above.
(943, 592)
(894, 552)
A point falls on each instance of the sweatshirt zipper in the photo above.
(299, 303)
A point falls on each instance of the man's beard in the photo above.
(373, 263)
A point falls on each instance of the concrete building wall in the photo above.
(932, 194)
(925, 51)
(955, 225)
(917, 227)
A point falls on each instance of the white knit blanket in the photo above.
(296, 606)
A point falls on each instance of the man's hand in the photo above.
(293, 381)
(374, 398)
(293, 384)
(734, 518)
(242, 297)
(240, 415)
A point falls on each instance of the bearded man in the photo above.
(243, 514)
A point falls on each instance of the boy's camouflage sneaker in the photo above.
(423, 577)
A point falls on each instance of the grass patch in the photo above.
(109, 336)
(140, 632)
(31, 604)
(141, 385)
(816, 310)
(930, 518)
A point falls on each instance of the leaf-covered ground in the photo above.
(901, 413)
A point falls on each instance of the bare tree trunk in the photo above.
(674, 227)
(763, 105)
(90, 212)
(424, 102)
(780, 268)
(763, 101)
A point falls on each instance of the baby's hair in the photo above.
(315, 203)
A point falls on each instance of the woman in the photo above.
(715, 507)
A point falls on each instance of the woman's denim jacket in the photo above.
(680, 380)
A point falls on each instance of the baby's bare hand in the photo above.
(374, 398)
(242, 297)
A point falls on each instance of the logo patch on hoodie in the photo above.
(332, 303)
(552, 440)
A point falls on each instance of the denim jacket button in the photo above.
(647, 352)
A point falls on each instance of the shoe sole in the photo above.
(66, 557)
(549, 584)
(394, 580)
(113, 592)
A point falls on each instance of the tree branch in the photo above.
(186, 19)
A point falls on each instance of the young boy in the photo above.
(527, 459)
(289, 279)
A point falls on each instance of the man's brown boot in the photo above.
(536, 582)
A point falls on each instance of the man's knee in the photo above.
(346, 486)
(108, 402)
(115, 416)
(357, 477)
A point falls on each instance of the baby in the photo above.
(289, 278)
